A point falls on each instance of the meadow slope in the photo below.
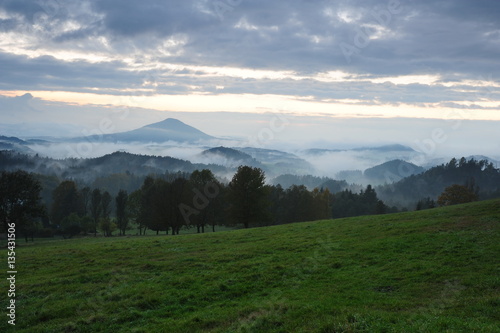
(429, 271)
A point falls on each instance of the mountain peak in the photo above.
(168, 123)
(166, 130)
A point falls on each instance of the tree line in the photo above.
(169, 202)
(431, 183)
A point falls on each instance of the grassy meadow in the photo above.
(430, 271)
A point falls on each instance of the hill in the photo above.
(431, 183)
(432, 271)
(311, 182)
(14, 144)
(392, 171)
(167, 130)
(228, 153)
(91, 168)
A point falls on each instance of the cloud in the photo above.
(281, 48)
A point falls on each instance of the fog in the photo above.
(323, 163)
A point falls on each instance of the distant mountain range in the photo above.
(382, 149)
(15, 144)
(380, 164)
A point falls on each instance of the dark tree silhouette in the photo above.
(105, 204)
(19, 201)
(248, 196)
(105, 222)
(121, 211)
(95, 208)
(85, 194)
(134, 209)
(66, 200)
(205, 189)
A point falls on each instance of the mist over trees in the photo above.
(170, 201)
(431, 183)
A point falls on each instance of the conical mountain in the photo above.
(167, 130)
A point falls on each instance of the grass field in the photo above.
(430, 271)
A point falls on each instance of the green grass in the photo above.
(428, 271)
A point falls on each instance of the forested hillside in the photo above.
(481, 175)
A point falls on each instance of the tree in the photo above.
(134, 209)
(456, 194)
(71, 225)
(247, 196)
(121, 211)
(105, 223)
(85, 194)
(206, 190)
(146, 198)
(107, 226)
(299, 205)
(95, 208)
(19, 200)
(66, 201)
(380, 208)
(178, 194)
(321, 204)
(277, 208)
(347, 204)
(155, 206)
(426, 203)
(105, 204)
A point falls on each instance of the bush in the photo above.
(456, 194)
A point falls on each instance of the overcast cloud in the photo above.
(119, 43)
(417, 57)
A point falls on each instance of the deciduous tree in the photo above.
(121, 211)
(19, 200)
(66, 200)
(247, 196)
(456, 194)
(96, 208)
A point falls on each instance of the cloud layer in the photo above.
(374, 52)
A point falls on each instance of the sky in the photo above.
(308, 72)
